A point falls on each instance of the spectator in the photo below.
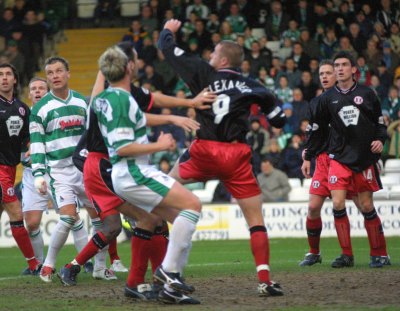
(292, 158)
(7, 24)
(366, 25)
(343, 18)
(188, 27)
(153, 78)
(322, 16)
(286, 49)
(309, 44)
(363, 74)
(147, 20)
(394, 134)
(105, 10)
(149, 52)
(273, 182)
(372, 55)
(213, 23)
(178, 9)
(304, 15)
(293, 33)
(164, 70)
(258, 139)
(197, 8)
(388, 14)
(19, 9)
(277, 21)
(202, 36)
(226, 32)
(248, 39)
(301, 59)
(392, 104)
(135, 35)
(237, 20)
(17, 59)
(357, 39)
(265, 79)
(283, 92)
(391, 59)
(330, 44)
(395, 38)
(385, 77)
(257, 59)
(314, 70)
(292, 122)
(299, 104)
(307, 86)
(245, 68)
(215, 39)
(345, 45)
(280, 136)
(274, 152)
(377, 87)
(291, 72)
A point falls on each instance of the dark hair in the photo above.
(127, 48)
(57, 59)
(347, 55)
(15, 73)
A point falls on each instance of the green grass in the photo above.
(209, 259)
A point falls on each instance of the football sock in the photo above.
(100, 257)
(376, 236)
(314, 228)
(159, 244)
(96, 243)
(58, 238)
(112, 250)
(140, 251)
(180, 240)
(342, 226)
(21, 236)
(80, 235)
(260, 248)
(36, 238)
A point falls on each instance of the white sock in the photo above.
(185, 258)
(58, 238)
(36, 238)
(100, 259)
(80, 235)
(180, 241)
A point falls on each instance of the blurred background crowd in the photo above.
(284, 41)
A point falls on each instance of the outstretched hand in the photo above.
(186, 123)
(173, 25)
(204, 99)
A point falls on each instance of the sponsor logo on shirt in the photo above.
(14, 125)
(349, 115)
(358, 100)
(10, 192)
(21, 111)
(71, 123)
(333, 179)
(316, 184)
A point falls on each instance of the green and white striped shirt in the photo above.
(55, 127)
(121, 122)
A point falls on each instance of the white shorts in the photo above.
(32, 200)
(67, 187)
(141, 185)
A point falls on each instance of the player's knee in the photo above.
(194, 203)
(32, 226)
(338, 204)
(314, 212)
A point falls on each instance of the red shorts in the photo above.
(343, 178)
(228, 162)
(98, 185)
(319, 183)
(7, 179)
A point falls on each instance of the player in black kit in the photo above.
(356, 141)
(14, 136)
(220, 150)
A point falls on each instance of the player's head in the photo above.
(113, 64)
(38, 87)
(57, 73)
(326, 74)
(131, 53)
(345, 66)
(8, 80)
(227, 54)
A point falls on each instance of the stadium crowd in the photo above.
(284, 41)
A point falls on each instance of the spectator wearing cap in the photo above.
(292, 121)
(391, 59)
(273, 182)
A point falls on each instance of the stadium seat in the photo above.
(274, 46)
(206, 195)
(86, 8)
(382, 194)
(130, 8)
(295, 182)
(395, 193)
(298, 194)
(392, 166)
(388, 181)
(307, 183)
(258, 33)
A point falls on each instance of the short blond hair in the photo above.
(113, 63)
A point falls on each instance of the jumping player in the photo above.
(220, 151)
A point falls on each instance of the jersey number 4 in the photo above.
(221, 107)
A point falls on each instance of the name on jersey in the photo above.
(224, 85)
(70, 123)
(14, 125)
(349, 115)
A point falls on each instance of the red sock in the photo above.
(96, 243)
(141, 246)
(314, 228)
(21, 236)
(342, 226)
(376, 236)
(260, 248)
(159, 244)
(112, 250)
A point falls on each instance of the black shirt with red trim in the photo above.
(228, 119)
(14, 130)
(355, 118)
(92, 139)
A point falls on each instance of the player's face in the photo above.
(37, 89)
(57, 76)
(327, 76)
(215, 57)
(7, 80)
(344, 70)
